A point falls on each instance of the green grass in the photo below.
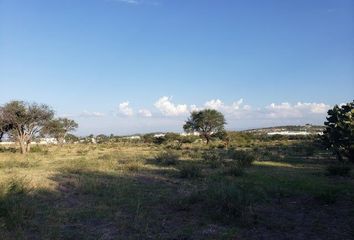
(141, 191)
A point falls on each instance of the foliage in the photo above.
(243, 158)
(59, 128)
(207, 123)
(27, 120)
(212, 156)
(339, 133)
(5, 125)
(70, 138)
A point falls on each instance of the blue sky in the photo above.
(128, 66)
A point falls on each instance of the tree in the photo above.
(27, 120)
(71, 138)
(207, 123)
(59, 128)
(4, 125)
(339, 133)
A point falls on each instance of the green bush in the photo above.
(338, 170)
(243, 158)
(212, 156)
(168, 157)
(190, 171)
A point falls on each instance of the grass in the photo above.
(141, 191)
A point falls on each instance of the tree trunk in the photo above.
(28, 146)
(22, 146)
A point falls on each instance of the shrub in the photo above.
(243, 158)
(167, 158)
(190, 171)
(212, 156)
(338, 170)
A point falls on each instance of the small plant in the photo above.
(167, 158)
(338, 170)
(190, 171)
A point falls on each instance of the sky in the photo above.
(137, 66)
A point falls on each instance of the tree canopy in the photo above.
(339, 133)
(59, 128)
(207, 123)
(26, 120)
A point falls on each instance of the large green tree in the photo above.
(59, 128)
(27, 120)
(339, 133)
(207, 123)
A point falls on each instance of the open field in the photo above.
(131, 191)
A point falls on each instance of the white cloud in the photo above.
(125, 110)
(145, 113)
(236, 109)
(91, 114)
(216, 104)
(167, 108)
(298, 110)
(193, 108)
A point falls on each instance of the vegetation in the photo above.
(207, 123)
(136, 190)
(339, 133)
(170, 186)
(26, 121)
(59, 128)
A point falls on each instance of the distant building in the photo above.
(132, 137)
(190, 134)
(159, 135)
(289, 133)
(45, 141)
